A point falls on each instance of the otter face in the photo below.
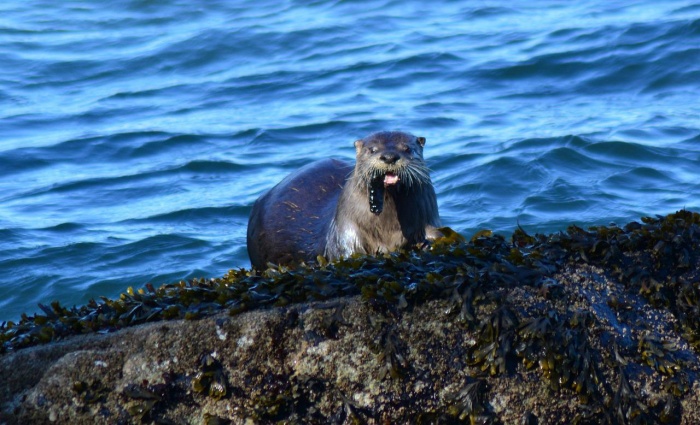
(388, 159)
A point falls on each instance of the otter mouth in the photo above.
(376, 190)
(390, 179)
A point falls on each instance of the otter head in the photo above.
(389, 159)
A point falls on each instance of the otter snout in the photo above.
(389, 158)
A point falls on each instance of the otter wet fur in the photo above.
(330, 208)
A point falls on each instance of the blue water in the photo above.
(135, 135)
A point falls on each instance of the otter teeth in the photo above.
(390, 179)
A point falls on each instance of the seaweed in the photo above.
(493, 350)
(627, 407)
(279, 398)
(390, 355)
(470, 404)
(659, 354)
(210, 378)
(479, 280)
(90, 392)
(149, 402)
(562, 351)
(210, 419)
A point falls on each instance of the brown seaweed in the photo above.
(656, 260)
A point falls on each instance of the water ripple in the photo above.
(137, 135)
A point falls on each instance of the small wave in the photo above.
(640, 179)
(609, 59)
(213, 167)
(137, 181)
(570, 161)
(164, 144)
(543, 144)
(689, 145)
(490, 12)
(65, 228)
(20, 160)
(145, 250)
(619, 152)
(189, 214)
(105, 149)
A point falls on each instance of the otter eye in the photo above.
(373, 149)
(406, 149)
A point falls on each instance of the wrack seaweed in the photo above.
(657, 257)
(573, 309)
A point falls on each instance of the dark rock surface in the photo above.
(596, 326)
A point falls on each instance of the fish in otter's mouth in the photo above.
(376, 190)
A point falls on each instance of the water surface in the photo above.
(137, 134)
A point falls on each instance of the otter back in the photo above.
(290, 222)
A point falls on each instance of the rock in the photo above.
(597, 326)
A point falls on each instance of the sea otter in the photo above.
(330, 208)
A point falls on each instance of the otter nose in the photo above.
(389, 157)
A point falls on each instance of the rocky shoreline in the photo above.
(583, 326)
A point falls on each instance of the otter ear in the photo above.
(421, 141)
(359, 144)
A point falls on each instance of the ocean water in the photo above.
(135, 135)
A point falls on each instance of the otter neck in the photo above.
(356, 229)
